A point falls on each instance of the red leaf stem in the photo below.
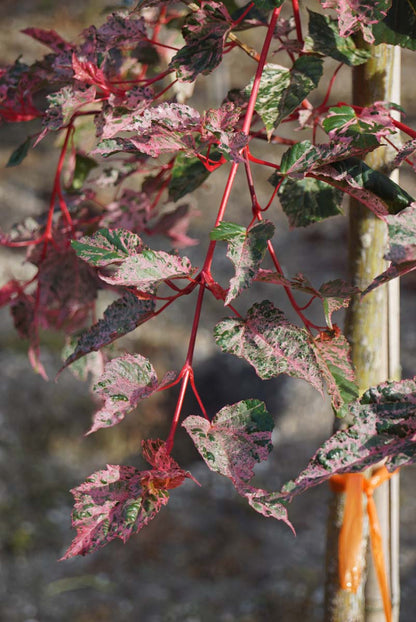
(308, 324)
(259, 72)
(246, 129)
(243, 15)
(264, 162)
(329, 89)
(198, 397)
(56, 191)
(162, 45)
(402, 127)
(178, 409)
(296, 13)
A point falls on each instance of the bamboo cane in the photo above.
(372, 327)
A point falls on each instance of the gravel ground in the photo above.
(207, 557)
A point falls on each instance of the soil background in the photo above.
(207, 557)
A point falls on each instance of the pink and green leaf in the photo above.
(125, 382)
(361, 15)
(271, 344)
(336, 295)
(333, 353)
(205, 32)
(238, 438)
(372, 188)
(146, 270)
(120, 318)
(384, 428)
(107, 246)
(324, 38)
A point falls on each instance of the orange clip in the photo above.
(350, 537)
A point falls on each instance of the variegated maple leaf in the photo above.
(333, 353)
(238, 438)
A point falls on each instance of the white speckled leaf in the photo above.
(402, 246)
(107, 246)
(282, 90)
(384, 428)
(246, 250)
(149, 268)
(271, 344)
(236, 439)
(402, 235)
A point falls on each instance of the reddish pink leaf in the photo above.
(67, 288)
(49, 38)
(131, 211)
(358, 14)
(120, 500)
(175, 226)
(9, 291)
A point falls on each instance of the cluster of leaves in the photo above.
(125, 82)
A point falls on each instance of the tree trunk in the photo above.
(372, 330)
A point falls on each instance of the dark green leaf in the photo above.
(399, 26)
(83, 165)
(304, 77)
(268, 5)
(307, 200)
(325, 39)
(227, 231)
(20, 153)
(187, 175)
(353, 174)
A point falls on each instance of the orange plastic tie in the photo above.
(351, 534)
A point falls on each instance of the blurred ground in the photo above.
(207, 557)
